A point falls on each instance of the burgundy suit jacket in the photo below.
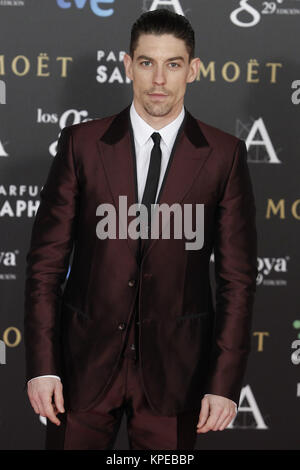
(187, 345)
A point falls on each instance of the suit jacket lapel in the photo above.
(115, 147)
(187, 158)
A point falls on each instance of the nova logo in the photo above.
(94, 5)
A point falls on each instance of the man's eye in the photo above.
(146, 62)
(175, 65)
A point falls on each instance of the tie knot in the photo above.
(156, 138)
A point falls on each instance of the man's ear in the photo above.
(128, 65)
(194, 69)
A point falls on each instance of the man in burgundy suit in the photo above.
(134, 328)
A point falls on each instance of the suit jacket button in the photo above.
(131, 282)
(122, 326)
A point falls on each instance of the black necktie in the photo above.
(152, 177)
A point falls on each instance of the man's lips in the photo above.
(157, 95)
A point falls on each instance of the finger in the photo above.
(50, 414)
(33, 402)
(224, 415)
(42, 399)
(215, 413)
(204, 412)
(47, 408)
(227, 421)
(58, 398)
(39, 405)
(34, 406)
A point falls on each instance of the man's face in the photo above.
(160, 70)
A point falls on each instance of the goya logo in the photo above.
(272, 271)
(95, 6)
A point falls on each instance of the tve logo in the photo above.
(94, 5)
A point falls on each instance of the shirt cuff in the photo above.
(39, 376)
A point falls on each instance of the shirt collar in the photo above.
(143, 131)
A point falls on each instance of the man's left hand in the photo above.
(216, 413)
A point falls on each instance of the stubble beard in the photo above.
(158, 109)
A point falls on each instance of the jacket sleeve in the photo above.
(235, 251)
(47, 260)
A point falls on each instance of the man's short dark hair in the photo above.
(163, 21)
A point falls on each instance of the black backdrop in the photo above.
(61, 63)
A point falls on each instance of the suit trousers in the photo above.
(97, 428)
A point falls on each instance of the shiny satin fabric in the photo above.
(187, 347)
(97, 428)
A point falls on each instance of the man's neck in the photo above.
(158, 122)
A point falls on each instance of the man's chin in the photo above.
(157, 110)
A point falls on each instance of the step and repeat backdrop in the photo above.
(61, 62)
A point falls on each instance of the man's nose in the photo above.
(159, 76)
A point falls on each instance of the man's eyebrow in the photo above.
(179, 57)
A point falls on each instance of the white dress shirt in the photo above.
(143, 145)
(143, 142)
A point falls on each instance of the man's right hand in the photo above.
(40, 391)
